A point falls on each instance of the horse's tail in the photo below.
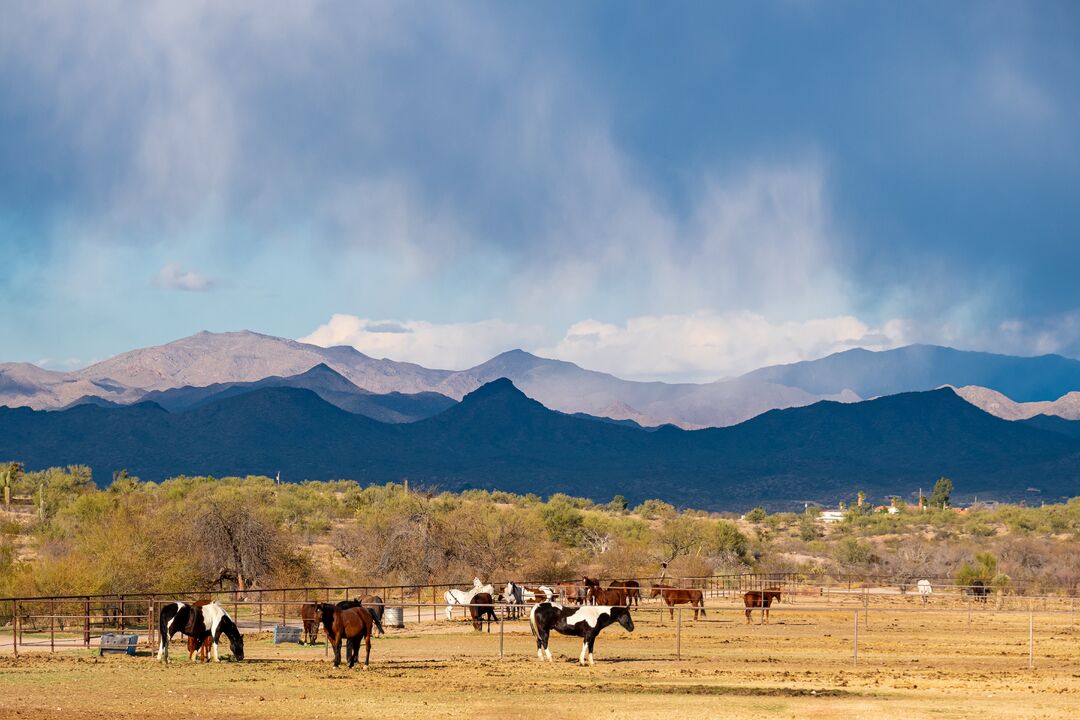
(532, 621)
(378, 623)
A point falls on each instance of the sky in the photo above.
(680, 191)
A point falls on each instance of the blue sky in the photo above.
(677, 192)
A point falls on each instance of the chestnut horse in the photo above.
(311, 615)
(203, 650)
(760, 599)
(680, 596)
(352, 625)
(631, 590)
(614, 595)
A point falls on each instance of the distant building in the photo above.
(831, 516)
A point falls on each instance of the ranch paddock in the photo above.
(912, 663)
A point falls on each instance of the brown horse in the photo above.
(311, 615)
(760, 599)
(631, 590)
(571, 592)
(590, 585)
(481, 607)
(680, 596)
(351, 625)
(613, 596)
(374, 605)
(203, 649)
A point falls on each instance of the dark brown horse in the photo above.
(631, 590)
(374, 605)
(350, 624)
(680, 596)
(760, 600)
(590, 585)
(311, 615)
(571, 592)
(481, 607)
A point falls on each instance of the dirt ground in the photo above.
(911, 665)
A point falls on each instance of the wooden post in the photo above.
(678, 635)
(150, 623)
(855, 643)
(434, 602)
(86, 624)
(260, 610)
(282, 608)
(15, 627)
(1031, 640)
(502, 621)
(52, 627)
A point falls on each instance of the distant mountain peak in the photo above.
(498, 388)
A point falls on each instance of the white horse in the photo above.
(924, 590)
(453, 596)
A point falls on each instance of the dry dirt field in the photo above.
(911, 665)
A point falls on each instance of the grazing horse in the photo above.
(631, 590)
(925, 590)
(311, 616)
(679, 596)
(583, 622)
(200, 620)
(481, 608)
(760, 599)
(351, 624)
(454, 596)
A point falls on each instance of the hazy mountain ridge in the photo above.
(499, 438)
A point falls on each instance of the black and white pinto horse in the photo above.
(199, 621)
(584, 622)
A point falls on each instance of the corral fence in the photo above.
(37, 623)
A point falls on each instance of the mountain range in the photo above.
(194, 368)
(498, 438)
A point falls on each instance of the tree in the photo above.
(943, 488)
(756, 515)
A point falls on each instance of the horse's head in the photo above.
(654, 590)
(237, 646)
(476, 582)
(622, 616)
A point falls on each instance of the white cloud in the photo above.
(706, 346)
(174, 277)
(453, 346)
(702, 346)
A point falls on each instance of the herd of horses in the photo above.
(576, 609)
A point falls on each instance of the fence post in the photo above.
(15, 627)
(52, 626)
(502, 621)
(855, 643)
(678, 636)
(283, 608)
(150, 624)
(260, 610)
(86, 624)
(1031, 639)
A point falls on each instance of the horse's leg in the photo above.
(748, 611)
(592, 642)
(336, 643)
(367, 653)
(584, 649)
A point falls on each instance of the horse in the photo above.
(925, 590)
(979, 590)
(351, 624)
(311, 617)
(374, 605)
(608, 596)
(631, 590)
(760, 599)
(679, 596)
(203, 649)
(200, 620)
(571, 592)
(481, 608)
(589, 583)
(454, 596)
(583, 622)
